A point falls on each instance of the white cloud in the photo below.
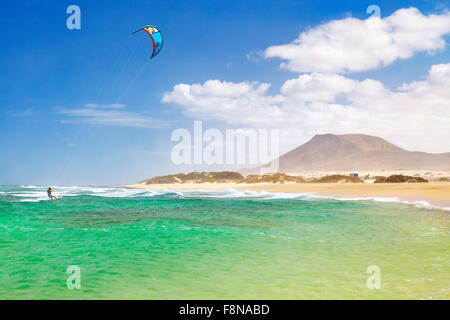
(230, 102)
(109, 115)
(105, 106)
(355, 45)
(416, 115)
(21, 113)
(255, 56)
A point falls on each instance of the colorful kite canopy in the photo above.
(156, 36)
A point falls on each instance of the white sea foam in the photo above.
(418, 203)
(39, 193)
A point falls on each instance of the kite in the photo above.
(156, 36)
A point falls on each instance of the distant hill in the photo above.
(348, 152)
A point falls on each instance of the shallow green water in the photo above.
(217, 245)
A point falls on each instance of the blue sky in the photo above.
(47, 69)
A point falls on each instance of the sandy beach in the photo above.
(436, 194)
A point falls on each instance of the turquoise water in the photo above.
(134, 244)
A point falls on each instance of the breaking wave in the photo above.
(38, 193)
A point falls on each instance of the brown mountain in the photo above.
(348, 152)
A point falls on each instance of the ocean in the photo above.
(229, 244)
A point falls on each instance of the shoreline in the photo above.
(433, 195)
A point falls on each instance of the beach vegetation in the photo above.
(337, 178)
(272, 178)
(196, 177)
(399, 178)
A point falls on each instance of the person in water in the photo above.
(50, 195)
